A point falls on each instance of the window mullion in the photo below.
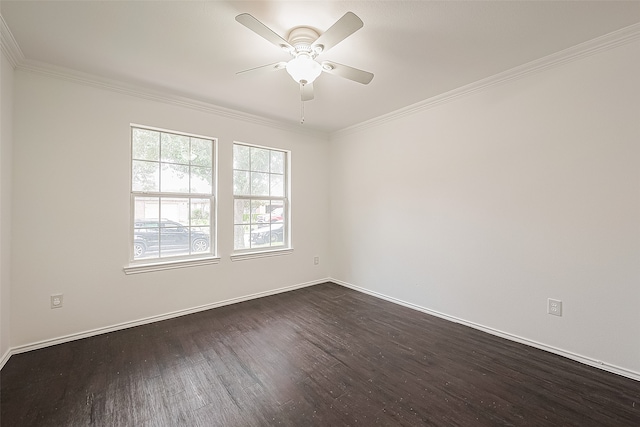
(189, 180)
(248, 197)
(175, 195)
(160, 163)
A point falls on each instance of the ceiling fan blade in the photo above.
(269, 67)
(347, 72)
(343, 28)
(306, 91)
(263, 31)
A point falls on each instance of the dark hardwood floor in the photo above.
(323, 355)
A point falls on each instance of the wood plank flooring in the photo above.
(318, 356)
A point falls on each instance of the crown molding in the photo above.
(579, 51)
(144, 92)
(9, 46)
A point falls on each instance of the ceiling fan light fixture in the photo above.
(303, 68)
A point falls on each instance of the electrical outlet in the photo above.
(316, 260)
(554, 306)
(56, 301)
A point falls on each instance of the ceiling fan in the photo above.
(304, 44)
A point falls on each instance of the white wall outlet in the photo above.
(56, 301)
(316, 260)
(554, 306)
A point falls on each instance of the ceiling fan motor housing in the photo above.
(301, 38)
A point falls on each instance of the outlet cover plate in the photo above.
(56, 301)
(554, 306)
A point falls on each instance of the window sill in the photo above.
(241, 256)
(169, 265)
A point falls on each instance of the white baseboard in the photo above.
(72, 337)
(147, 320)
(568, 354)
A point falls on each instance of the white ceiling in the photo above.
(416, 49)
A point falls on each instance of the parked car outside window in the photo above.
(167, 237)
(268, 234)
(275, 215)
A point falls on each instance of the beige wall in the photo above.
(72, 209)
(6, 125)
(483, 207)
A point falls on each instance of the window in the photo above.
(260, 198)
(171, 195)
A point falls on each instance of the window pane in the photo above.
(146, 144)
(145, 176)
(174, 212)
(174, 239)
(241, 237)
(260, 235)
(277, 185)
(259, 159)
(276, 237)
(269, 234)
(259, 184)
(145, 242)
(277, 162)
(201, 180)
(174, 178)
(175, 148)
(277, 212)
(174, 232)
(259, 211)
(241, 156)
(200, 212)
(146, 208)
(242, 212)
(241, 183)
(201, 154)
(200, 239)
(146, 234)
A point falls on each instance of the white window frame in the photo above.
(143, 265)
(286, 247)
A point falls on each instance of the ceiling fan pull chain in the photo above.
(301, 112)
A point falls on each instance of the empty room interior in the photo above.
(246, 213)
